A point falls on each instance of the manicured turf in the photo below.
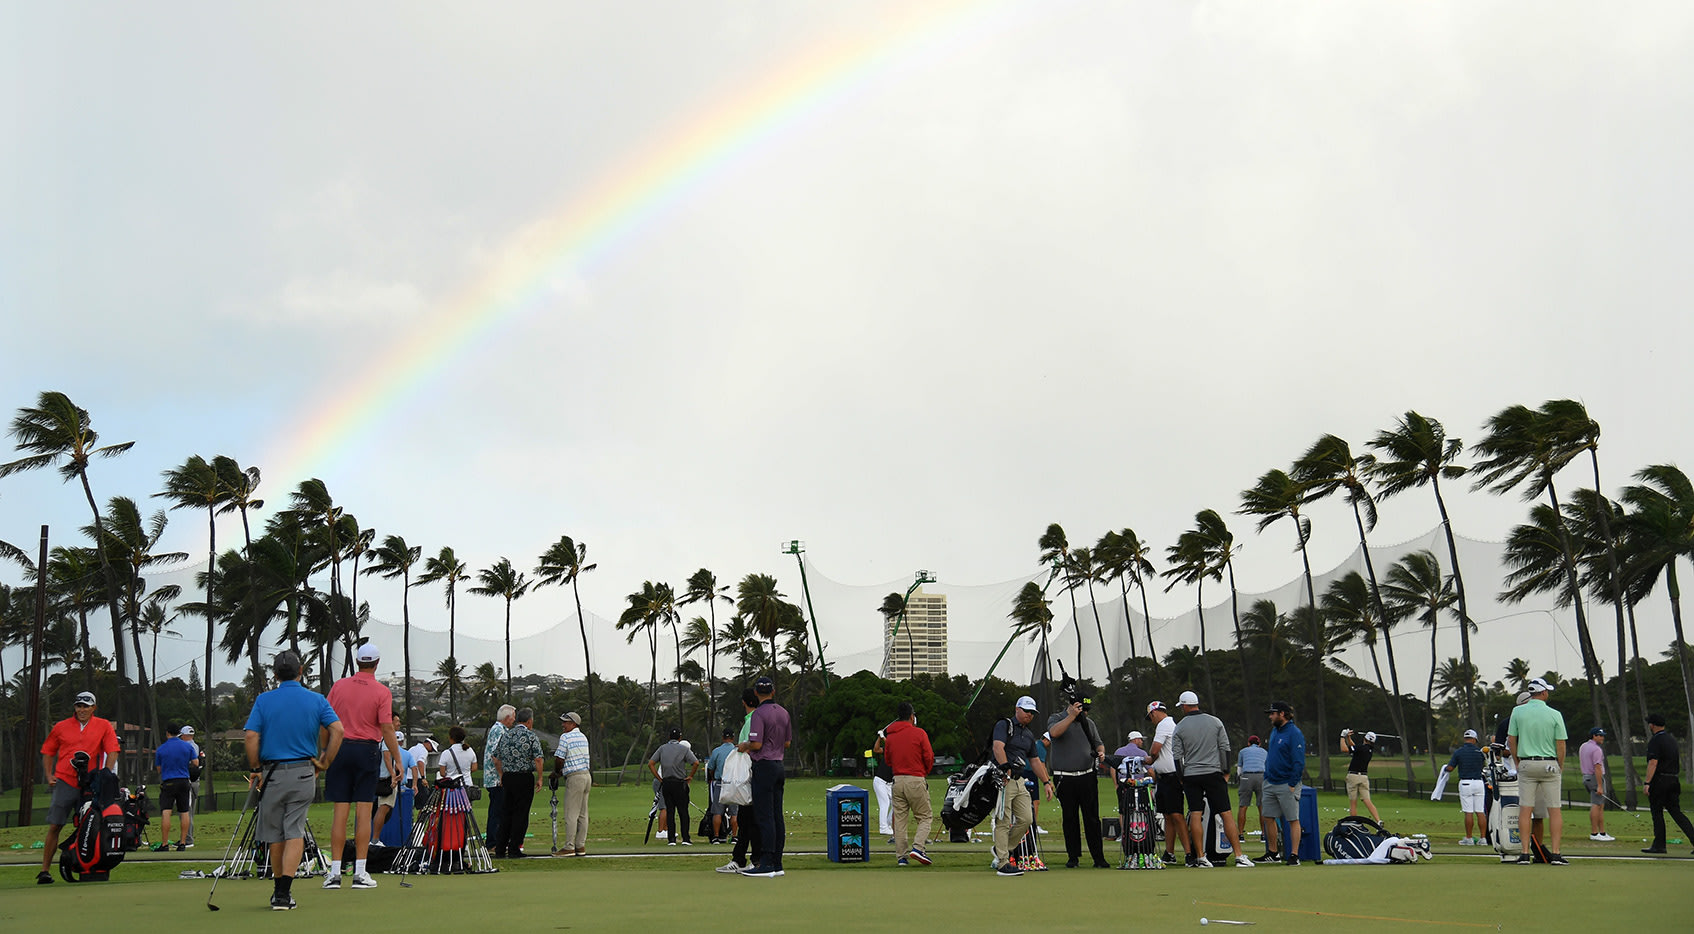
(626, 885)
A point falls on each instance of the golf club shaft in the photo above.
(252, 792)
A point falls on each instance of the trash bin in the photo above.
(397, 831)
(1311, 835)
(845, 827)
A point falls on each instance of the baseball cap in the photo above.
(1136, 734)
(369, 653)
(1536, 686)
(676, 733)
(1597, 731)
(1656, 719)
(1370, 737)
(1523, 697)
(1280, 707)
(400, 736)
(1156, 705)
(1252, 741)
(764, 682)
(1470, 734)
(185, 731)
(1188, 699)
(728, 733)
(573, 717)
(86, 697)
(686, 744)
(1027, 703)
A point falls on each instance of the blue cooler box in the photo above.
(845, 827)
(1311, 836)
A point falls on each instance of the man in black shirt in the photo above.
(1664, 790)
(1362, 747)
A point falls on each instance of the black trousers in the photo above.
(517, 793)
(1079, 796)
(496, 816)
(1664, 793)
(768, 781)
(747, 838)
(676, 805)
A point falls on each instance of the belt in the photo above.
(1535, 759)
(276, 762)
(1350, 772)
(361, 742)
(1082, 774)
(1259, 772)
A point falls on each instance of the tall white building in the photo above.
(921, 646)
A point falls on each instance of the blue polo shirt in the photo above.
(287, 719)
(1252, 759)
(1467, 761)
(173, 757)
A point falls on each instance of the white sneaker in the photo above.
(364, 882)
(662, 835)
(332, 881)
(1601, 837)
(731, 867)
(1202, 862)
(1243, 862)
(1466, 841)
(1040, 830)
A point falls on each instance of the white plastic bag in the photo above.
(737, 782)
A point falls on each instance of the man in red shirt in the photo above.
(81, 733)
(366, 709)
(911, 757)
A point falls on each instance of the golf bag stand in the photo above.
(445, 837)
(252, 857)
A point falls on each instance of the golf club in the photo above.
(252, 794)
(652, 816)
(553, 808)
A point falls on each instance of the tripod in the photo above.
(445, 837)
(252, 859)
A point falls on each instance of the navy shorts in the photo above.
(352, 776)
(1207, 789)
(176, 795)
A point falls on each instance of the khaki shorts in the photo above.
(1539, 783)
(1358, 787)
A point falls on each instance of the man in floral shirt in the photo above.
(517, 758)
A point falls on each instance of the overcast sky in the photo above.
(931, 277)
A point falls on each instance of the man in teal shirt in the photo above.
(1536, 738)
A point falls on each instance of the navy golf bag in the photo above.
(1354, 838)
(99, 828)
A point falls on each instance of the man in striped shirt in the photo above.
(571, 763)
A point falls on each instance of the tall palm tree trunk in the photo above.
(1615, 578)
(1396, 709)
(1240, 649)
(1322, 659)
(1635, 654)
(1129, 627)
(1429, 692)
(1105, 658)
(1681, 647)
(211, 620)
(508, 648)
(1205, 656)
(1584, 635)
(588, 665)
(452, 652)
(1459, 591)
(681, 719)
(118, 653)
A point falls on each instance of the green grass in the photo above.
(657, 886)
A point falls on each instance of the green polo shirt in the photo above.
(1538, 728)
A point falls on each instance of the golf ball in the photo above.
(1204, 921)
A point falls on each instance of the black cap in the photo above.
(727, 734)
(1597, 731)
(1656, 719)
(764, 682)
(1281, 707)
(676, 733)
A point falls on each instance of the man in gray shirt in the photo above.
(674, 765)
(1202, 746)
(1074, 755)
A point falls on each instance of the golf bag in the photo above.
(99, 828)
(971, 797)
(1501, 782)
(1135, 805)
(1354, 838)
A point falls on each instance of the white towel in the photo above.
(1440, 786)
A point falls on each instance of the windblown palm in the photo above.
(1416, 588)
(1084, 570)
(761, 604)
(651, 607)
(504, 581)
(1661, 530)
(1266, 633)
(446, 568)
(1217, 545)
(565, 563)
(1124, 558)
(197, 485)
(1190, 562)
(394, 559)
(703, 587)
(75, 581)
(1351, 604)
(130, 544)
(1056, 554)
(1032, 617)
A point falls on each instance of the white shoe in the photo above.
(1040, 830)
(1466, 841)
(1601, 837)
(731, 867)
(1202, 862)
(364, 882)
(1243, 862)
(662, 835)
(332, 881)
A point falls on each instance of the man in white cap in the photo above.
(1537, 739)
(1014, 750)
(1135, 748)
(174, 758)
(1361, 748)
(1201, 744)
(83, 732)
(1468, 761)
(1167, 784)
(571, 765)
(366, 707)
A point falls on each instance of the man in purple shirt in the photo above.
(768, 733)
(1592, 757)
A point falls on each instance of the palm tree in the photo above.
(1216, 544)
(1660, 529)
(758, 600)
(1123, 558)
(1526, 447)
(1056, 553)
(504, 581)
(1329, 466)
(450, 571)
(59, 432)
(651, 607)
(195, 485)
(1415, 453)
(74, 582)
(315, 509)
(394, 559)
(1276, 496)
(893, 607)
(1266, 633)
(703, 587)
(1417, 588)
(1351, 604)
(487, 690)
(1032, 617)
(1454, 678)
(1517, 674)
(452, 675)
(360, 541)
(565, 563)
(739, 640)
(130, 543)
(1190, 564)
(1082, 569)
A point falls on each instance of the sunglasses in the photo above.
(85, 705)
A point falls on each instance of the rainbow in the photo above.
(616, 208)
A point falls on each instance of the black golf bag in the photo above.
(971, 796)
(1354, 838)
(1135, 805)
(100, 826)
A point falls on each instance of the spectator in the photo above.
(1591, 758)
(748, 850)
(769, 732)
(1167, 784)
(571, 764)
(503, 720)
(1467, 760)
(911, 758)
(174, 758)
(1135, 748)
(1202, 746)
(1014, 748)
(722, 816)
(518, 760)
(1285, 767)
(82, 732)
(674, 765)
(1250, 788)
(1536, 738)
(365, 707)
(882, 785)
(1664, 789)
(1074, 756)
(405, 779)
(292, 734)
